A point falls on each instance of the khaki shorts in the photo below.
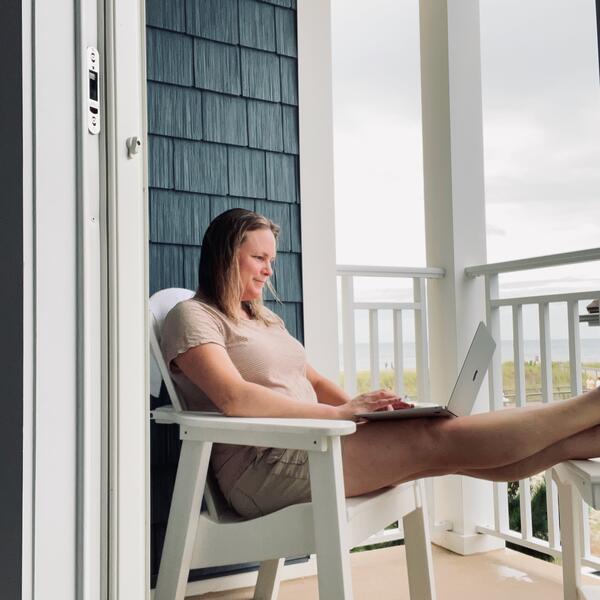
(276, 478)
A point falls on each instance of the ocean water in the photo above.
(590, 352)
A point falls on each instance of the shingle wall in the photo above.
(223, 133)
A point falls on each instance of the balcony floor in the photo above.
(382, 574)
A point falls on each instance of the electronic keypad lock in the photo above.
(93, 96)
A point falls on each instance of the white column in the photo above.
(316, 183)
(455, 232)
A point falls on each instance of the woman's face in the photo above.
(255, 258)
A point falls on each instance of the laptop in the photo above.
(465, 389)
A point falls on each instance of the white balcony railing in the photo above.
(494, 303)
(418, 306)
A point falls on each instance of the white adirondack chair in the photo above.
(329, 525)
(576, 480)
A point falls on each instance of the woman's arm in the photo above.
(210, 368)
(327, 391)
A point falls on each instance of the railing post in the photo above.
(492, 313)
(454, 193)
(348, 336)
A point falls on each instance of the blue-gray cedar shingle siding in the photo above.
(223, 133)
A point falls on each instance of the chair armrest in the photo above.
(584, 475)
(298, 434)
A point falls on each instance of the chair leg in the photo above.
(418, 551)
(330, 522)
(569, 506)
(183, 521)
(269, 578)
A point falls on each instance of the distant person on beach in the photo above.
(227, 352)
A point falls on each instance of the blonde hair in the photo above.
(218, 272)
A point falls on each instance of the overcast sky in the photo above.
(541, 107)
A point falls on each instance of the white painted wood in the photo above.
(183, 521)
(348, 334)
(552, 511)
(203, 426)
(54, 290)
(525, 508)
(574, 347)
(27, 573)
(374, 271)
(545, 352)
(573, 296)
(518, 354)
(536, 262)
(374, 348)
(418, 551)
(269, 579)
(398, 354)
(454, 194)
(421, 340)
(500, 490)
(570, 519)
(327, 490)
(92, 401)
(515, 538)
(521, 401)
(127, 267)
(386, 306)
(315, 117)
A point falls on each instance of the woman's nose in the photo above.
(268, 269)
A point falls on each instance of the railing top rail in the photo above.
(547, 298)
(536, 262)
(373, 271)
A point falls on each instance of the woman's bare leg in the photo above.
(383, 453)
(585, 444)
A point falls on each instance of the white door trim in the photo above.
(127, 301)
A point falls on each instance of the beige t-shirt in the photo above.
(263, 354)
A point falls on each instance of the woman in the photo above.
(227, 352)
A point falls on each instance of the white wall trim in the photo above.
(128, 299)
(28, 305)
(317, 185)
(55, 298)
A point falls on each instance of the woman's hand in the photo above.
(370, 402)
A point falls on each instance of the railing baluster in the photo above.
(519, 361)
(349, 349)
(374, 348)
(398, 354)
(495, 392)
(545, 352)
(548, 396)
(521, 400)
(421, 340)
(574, 347)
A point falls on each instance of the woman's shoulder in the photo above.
(193, 310)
